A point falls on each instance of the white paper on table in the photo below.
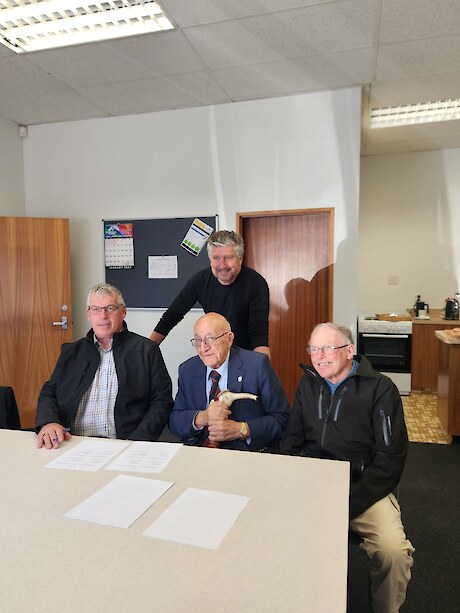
(198, 517)
(89, 455)
(145, 457)
(120, 502)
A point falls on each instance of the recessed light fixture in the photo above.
(47, 24)
(426, 112)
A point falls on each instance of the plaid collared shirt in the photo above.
(95, 413)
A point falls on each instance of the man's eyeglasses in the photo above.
(208, 340)
(326, 349)
(111, 309)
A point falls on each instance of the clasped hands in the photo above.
(216, 419)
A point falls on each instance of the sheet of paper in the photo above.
(89, 455)
(196, 237)
(145, 457)
(163, 267)
(198, 517)
(120, 502)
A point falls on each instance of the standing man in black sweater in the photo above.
(228, 287)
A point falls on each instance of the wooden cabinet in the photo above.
(449, 384)
(425, 352)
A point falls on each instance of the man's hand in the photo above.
(52, 435)
(216, 411)
(224, 430)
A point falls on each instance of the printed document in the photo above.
(89, 455)
(183, 521)
(120, 502)
(145, 457)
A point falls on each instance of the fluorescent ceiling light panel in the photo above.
(426, 112)
(34, 25)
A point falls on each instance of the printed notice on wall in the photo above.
(163, 267)
(119, 245)
(196, 237)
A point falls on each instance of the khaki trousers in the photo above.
(389, 551)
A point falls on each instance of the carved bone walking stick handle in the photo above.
(227, 397)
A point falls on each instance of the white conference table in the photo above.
(286, 552)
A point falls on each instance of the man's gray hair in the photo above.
(345, 332)
(105, 289)
(226, 238)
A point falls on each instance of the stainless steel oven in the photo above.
(388, 346)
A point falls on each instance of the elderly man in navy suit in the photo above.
(199, 417)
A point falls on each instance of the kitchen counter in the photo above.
(425, 349)
(435, 317)
(446, 337)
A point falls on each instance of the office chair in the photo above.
(9, 416)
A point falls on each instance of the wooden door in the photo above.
(293, 250)
(34, 293)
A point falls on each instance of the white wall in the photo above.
(409, 227)
(297, 152)
(12, 201)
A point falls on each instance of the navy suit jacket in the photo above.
(248, 371)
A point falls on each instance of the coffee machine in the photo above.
(420, 305)
(451, 310)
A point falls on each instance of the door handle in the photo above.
(62, 323)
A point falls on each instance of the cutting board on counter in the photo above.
(453, 335)
(388, 317)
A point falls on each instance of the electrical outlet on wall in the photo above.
(393, 280)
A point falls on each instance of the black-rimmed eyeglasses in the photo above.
(207, 340)
(326, 349)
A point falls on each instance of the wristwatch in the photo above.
(244, 430)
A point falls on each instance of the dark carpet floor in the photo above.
(429, 495)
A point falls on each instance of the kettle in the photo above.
(451, 310)
(420, 306)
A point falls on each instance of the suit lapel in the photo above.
(235, 377)
(199, 386)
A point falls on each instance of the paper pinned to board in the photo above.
(163, 267)
(196, 237)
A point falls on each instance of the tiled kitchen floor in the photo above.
(423, 425)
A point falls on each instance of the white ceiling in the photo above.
(400, 51)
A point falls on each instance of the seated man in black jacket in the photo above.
(112, 383)
(345, 410)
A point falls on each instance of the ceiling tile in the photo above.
(287, 35)
(208, 11)
(436, 55)
(412, 19)
(165, 53)
(418, 89)
(90, 64)
(155, 94)
(293, 76)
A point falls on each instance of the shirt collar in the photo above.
(99, 346)
(222, 370)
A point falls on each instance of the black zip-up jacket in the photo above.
(144, 398)
(362, 423)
